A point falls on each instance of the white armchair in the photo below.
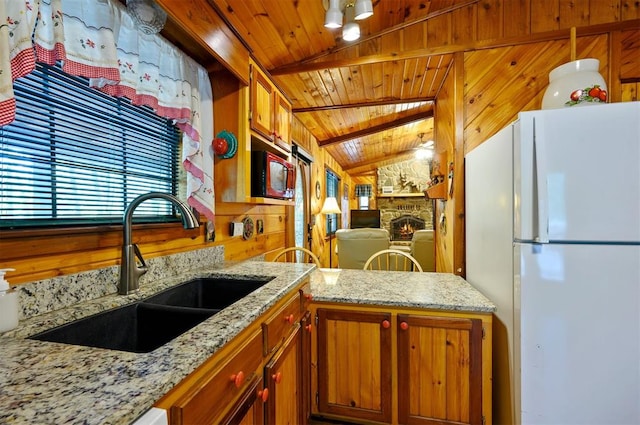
(355, 246)
(423, 249)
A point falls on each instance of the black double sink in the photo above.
(143, 326)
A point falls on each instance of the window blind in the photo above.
(363, 190)
(74, 155)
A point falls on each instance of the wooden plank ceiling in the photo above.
(365, 108)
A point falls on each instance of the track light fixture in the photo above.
(352, 10)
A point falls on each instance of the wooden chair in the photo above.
(392, 259)
(297, 254)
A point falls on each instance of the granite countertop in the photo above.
(42, 382)
(439, 291)
(45, 382)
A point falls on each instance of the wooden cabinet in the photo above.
(354, 364)
(439, 370)
(225, 382)
(249, 410)
(287, 371)
(258, 377)
(283, 380)
(282, 131)
(270, 114)
(402, 366)
(254, 114)
(262, 115)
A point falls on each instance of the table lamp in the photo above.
(330, 206)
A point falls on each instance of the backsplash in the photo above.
(47, 295)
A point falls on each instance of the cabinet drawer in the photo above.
(280, 324)
(214, 393)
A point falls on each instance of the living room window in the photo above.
(76, 156)
(332, 185)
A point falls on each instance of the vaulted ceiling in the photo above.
(364, 105)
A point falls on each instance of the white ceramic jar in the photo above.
(575, 83)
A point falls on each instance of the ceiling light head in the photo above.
(351, 30)
(333, 17)
(363, 9)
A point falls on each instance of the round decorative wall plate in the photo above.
(318, 190)
(247, 223)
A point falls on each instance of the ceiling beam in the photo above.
(380, 102)
(381, 160)
(453, 48)
(376, 129)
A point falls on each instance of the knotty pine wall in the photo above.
(486, 89)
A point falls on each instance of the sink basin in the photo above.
(138, 328)
(216, 293)
(146, 325)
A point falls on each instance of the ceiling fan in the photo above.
(424, 150)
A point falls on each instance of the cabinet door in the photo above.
(262, 104)
(439, 370)
(249, 410)
(282, 136)
(283, 379)
(354, 364)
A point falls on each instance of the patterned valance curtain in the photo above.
(98, 39)
(363, 190)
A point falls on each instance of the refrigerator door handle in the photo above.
(540, 194)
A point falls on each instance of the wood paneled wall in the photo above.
(496, 85)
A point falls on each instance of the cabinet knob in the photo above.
(308, 296)
(404, 326)
(277, 377)
(308, 327)
(289, 319)
(263, 394)
(237, 379)
(386, 324)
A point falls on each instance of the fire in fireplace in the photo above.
(402, 228)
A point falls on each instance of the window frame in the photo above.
(28, 90)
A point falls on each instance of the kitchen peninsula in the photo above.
(57, 383)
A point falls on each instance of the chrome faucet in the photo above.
(130, 272)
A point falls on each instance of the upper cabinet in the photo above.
(282, 136)
(270, 115)
(263, 98)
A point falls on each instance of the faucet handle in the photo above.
(143, 268)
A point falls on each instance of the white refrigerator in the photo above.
(553, 239)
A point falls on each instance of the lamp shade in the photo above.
(330, 206)
(364, 9)
(351, 29)
(333, 17)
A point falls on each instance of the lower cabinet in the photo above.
(283, 380)
(260, 377)
(249, 410)
(354, 364)
(403, 367)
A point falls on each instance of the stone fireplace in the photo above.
(402, 228)
(403, 207)
(405, 212)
